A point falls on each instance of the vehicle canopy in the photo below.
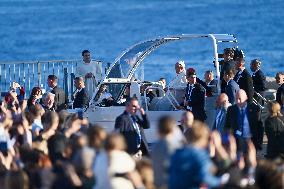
(127, 63)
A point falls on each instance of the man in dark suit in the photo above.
(194, 96)
(244, 79)
(258, 78)
(232, 87)
(280, 81)
(80, 96)
(61, 99)
(244, 120)
(222, 104)
(132, 128)
(227, 64)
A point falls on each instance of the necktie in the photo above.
(136, 127)
(242, 120)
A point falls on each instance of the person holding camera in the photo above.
(35, 96)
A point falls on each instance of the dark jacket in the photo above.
(245, 82)
(254, 118)
(258, 79)
(231, 90)
(81, 99)
(196, 100)
(274, 129)
(209, 89)
(280, 91)
(124, 125)
(225, 66)
(60, 100)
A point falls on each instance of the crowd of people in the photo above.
(44, 146)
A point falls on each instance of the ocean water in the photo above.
(34, 30)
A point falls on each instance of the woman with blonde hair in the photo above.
(274, 128)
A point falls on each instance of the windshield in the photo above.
(125, 63)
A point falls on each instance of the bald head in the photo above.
(241, 98)
(187, 119)
(222, 100)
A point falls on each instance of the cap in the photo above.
(190, 72)
(181, 62)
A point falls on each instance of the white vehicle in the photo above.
(126, 76)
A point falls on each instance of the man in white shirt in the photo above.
(91, 71)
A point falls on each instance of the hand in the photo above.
(89, 75)
(15, 85)
(141, 110)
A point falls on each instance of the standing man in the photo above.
(60, 99)
(91, 71)
(244, 79)
(258, 77)
(194, 96)
(222, 104)
(81, 99)
(280, 81)
(226, 64)
(244, 121)
(211, 83)
(232, 87)
(131, 126)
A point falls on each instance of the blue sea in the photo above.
(37, 30)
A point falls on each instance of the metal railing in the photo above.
(31, 74)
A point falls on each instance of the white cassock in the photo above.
(93, 67)
(177, 86)
(179, 81)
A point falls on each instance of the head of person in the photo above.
(222, 100)
(86, 56)
(163, 82)
(274, 109)
(36, 111)
(255, 65)
(36, 93)
(241, 98)
(127, 90)
(103, 88)
(79, 82)
(52, 81)
(240, 63)
(279, 78)
(208, 76)
(50, 121)
(187, 119)
(228, 54)
(166, 126)
(132, 105)
(228, 75)
(180, 67)
(97, 136)
(115, 141)
(191, 76)
(48, 99)
(198, 135)
(16, 179)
